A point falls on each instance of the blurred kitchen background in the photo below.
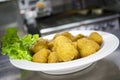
(51, 16)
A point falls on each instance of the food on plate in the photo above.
(96, 37)
(39, 44)
(61, 48)
(53, 58)
(65, 49)
(50, 45)
(66, 34)
(78, 36)
(41, 56)
(87, 47)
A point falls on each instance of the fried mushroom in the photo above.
(96, 37)
(65, 49)
(40, 44)
(87, 47)
(41, 56)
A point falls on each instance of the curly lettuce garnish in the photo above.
(16, 47)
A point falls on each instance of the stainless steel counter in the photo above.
(78, 24)
(105, 69)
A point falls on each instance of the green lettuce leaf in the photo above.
(15, 47)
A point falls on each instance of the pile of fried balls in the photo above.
(65, 47)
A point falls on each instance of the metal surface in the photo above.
(3, 0)
(10, 17)
(77, 24)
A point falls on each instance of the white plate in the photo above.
(109, 45)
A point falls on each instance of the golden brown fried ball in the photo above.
(41, 56)
(87, 47)
(53, 57)
(50, 45)
(77, 55)
(40, 44)
(96, 37)
(75, 44)
(66, 34)
(79, 36)
(65, 49)
(56, 35)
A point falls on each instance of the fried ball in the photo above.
(50, 45)
(75, 44)
(65, 49)
(41, 56)
(77, 55)
(53, 57)
(87, 47)
(40, 44)
(66, 34)
(96, 37)
(56, 35)
(79, 36)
